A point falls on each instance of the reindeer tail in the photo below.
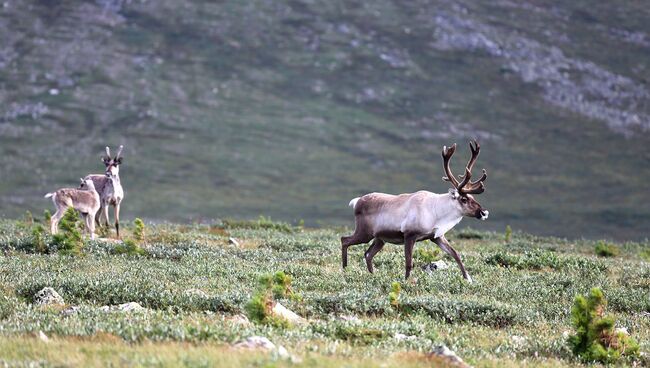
(353, 202)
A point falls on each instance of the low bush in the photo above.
(595, 338)
(262, 223)
(604, 249)
(68, 240)
(138, 230)
(129, 247)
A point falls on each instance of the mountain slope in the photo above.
(291, 108)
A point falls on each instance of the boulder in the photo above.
(48, 296)
(281, 311)
(73, 309)
(437, 265)
(256, 342)
(445, 353)
(126, 307)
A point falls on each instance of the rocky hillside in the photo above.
(290, 108)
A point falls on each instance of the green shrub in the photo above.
(468, 233)
(645, 254)
(68, 240)
(427, 255)
(595, 338)
(359, 335)
(47, 216)
(393, 296)
(604, 249)
(508, 235)
(138, 230)
(270, 287)
(38, 239)
(130, 247)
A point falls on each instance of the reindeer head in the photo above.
(112, 164)
(462, 192)
(86, 184)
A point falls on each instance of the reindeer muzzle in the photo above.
(482, 214)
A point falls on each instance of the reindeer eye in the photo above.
(463, 199)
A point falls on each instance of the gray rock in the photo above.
(444, 352)
(48, 296)
(256, 342)
(437, 265)
(126, 307)
(70, 310)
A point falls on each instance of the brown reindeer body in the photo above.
(412, 217)
(85, 200)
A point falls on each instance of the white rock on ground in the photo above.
(43, 337)
(48, 296)
(73, 309)
(444, 352)
(281, 311)
(261, 342)
(239, 319)
(401, 337)
(256, 342)
(437, 265)
(126, 307)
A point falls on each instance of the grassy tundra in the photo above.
(191, 281)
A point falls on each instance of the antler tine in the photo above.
(476, 187)
(119, 151)
(108, 152)
(446, 156)
(475, 149)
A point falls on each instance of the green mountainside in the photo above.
(291, 108)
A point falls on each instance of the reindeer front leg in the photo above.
(117, 218)
(443, 243)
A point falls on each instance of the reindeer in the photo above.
(109, 188)
(85, 200)
(409, 218)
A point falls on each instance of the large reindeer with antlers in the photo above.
(409, 218)
(109, 188)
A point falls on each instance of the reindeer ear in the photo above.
(82, 180)
(454, 193)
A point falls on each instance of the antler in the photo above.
(119, 151)
(446, 156)
(465, 186)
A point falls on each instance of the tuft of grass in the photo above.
(68, 240)
(604, 249)
(595, 338)
(645, 254)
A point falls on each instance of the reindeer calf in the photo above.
(84, 200)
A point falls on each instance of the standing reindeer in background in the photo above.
(409, 218)
(85, 200)
(109, 188)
